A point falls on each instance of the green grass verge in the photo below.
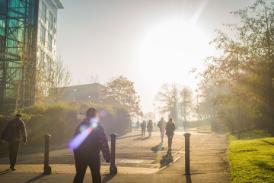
(251, 159)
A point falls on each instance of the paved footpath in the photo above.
(141, 165)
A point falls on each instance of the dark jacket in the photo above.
(143, 125)
(149, 126)
(15, 131)
(95, 142)
(170, 128)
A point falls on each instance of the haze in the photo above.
(151, 42)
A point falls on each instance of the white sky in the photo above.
(151, 42)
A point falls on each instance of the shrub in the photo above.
(61, 119)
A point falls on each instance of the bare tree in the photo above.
(186, 104)
(167, 98)
(61, 78)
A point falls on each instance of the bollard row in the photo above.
(187, 153)
(47, 168)
(113, 167)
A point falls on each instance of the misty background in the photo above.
(101, 39)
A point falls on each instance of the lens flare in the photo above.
(84, 133)
(103, 113)
(79, 139)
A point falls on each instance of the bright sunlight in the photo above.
(170, 50)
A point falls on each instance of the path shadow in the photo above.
(142, 138)
(107, 178)
(138, 138)
(125, 137)
(166, 159)
(145, 138)
(3, 172)
(188, 179)
(36, 178)
(157, 148)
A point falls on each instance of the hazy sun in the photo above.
(169, 50)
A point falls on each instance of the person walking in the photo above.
(149, 127)
(137, 125)
(162, 125)
(143, 128)
(87, 154)
(14, 133)
(170, 128)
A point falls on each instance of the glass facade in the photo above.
(43, 12)
(27, 36)
(42, 35)
(46, 55)
(50, 42)
(18, 25)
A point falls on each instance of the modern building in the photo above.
(27, 42)
(87, 93)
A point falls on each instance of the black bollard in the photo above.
(113, 168)
(47, 168)
(187, 153)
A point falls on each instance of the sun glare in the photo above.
(170, 50)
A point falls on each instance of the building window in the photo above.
(50, 42)
(49, 66)
(2, 27)
(51, 21)
(44, 12)
(42, 35)
(42, 59)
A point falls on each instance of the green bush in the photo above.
(61, 119)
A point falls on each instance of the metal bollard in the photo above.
(113, 168)
(47, 168)
(187, 153)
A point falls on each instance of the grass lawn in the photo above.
(251, 159)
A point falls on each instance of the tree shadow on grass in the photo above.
(270, 143)
(263, 165)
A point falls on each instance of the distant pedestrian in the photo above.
(14, 133)
(87, 154)
(162, 125)
(143, 128)
(149, 127)
(138, 125)
(170, 128)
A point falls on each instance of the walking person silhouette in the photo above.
(162, 125)
(87, 154)
(14, 133)
(149, 127)
(143, 128)
(170, 128)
